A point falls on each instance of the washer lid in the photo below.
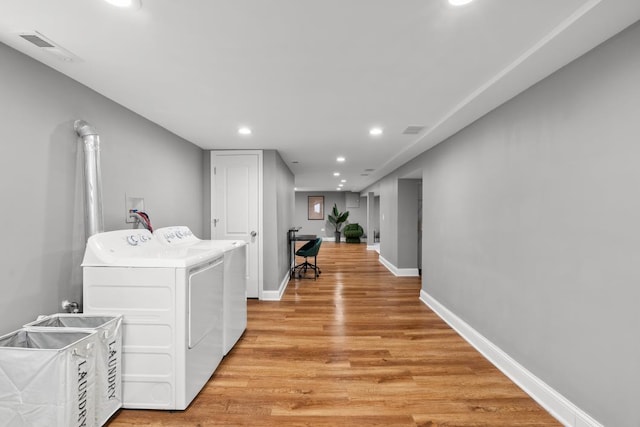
(139, 248)
(223, 245)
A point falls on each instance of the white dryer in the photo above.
(171, 300)
(235, 276)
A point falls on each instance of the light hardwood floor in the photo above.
(354, 348)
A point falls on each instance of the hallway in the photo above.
(355, 348)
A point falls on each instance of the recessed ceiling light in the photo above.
(338, 188)
(336, 174)
(133, 4)
(244, 130)
(340, 185)
(375, 131)
(340, 159)
(343, 180)
(459, 2)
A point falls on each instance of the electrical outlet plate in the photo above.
(130, 204)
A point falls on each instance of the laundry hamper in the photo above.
(47, 378)
(108, 355)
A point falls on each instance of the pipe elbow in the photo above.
(84, 129)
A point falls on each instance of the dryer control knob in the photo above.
(132, 240)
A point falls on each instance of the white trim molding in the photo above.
(277, 294)
(400, 272)
(556, 404)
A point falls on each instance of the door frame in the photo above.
(259, 154)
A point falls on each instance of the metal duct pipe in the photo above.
(94, 219)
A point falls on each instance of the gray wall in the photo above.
(358, 215)
(373, 217)
(531, 221)
(396, 203)
(376, 213)
(324, 228)
(277, 218)
(41, 182)
(408, 198)
(388, 188)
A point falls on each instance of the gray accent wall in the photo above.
(389, 207)
(531, 228)
(358, 214)
(41, 182)
(324, 228)
(278, 211)
(408, 197)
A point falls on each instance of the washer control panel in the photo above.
(176, 235)
(138, 239)
(121, 247)
(140, 248)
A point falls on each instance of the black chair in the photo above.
(308, 250)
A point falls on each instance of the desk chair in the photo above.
(308, 250)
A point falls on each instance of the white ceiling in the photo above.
(311, 77)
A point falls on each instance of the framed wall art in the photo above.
(315, 207)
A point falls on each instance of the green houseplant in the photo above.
(337, 218)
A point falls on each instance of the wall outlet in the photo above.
(130, 204)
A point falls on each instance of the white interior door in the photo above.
(236, 206)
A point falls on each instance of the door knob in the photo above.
(254, 234)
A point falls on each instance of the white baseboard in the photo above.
(400, 272)
(555, 403)
(276, 295)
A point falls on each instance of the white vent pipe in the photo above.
(94, 220)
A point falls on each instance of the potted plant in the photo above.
(337, 218)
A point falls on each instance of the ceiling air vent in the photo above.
(37, 40)
(413, 130)
(49, 46)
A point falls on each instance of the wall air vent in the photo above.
(413, 130)
(48, 46)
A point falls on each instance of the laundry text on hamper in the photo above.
(82, 393)
(112, 365)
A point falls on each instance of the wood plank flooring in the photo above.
(354, 348)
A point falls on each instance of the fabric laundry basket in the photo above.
(108, 355)
(47, 378)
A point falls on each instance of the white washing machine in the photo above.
(235, 276)
(171, 300)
